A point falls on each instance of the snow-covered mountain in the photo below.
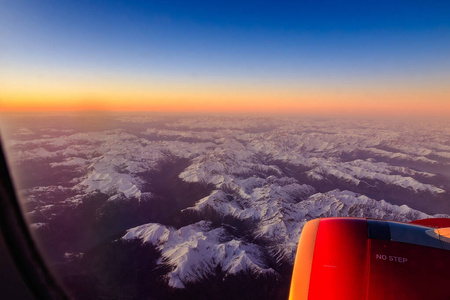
(227, 192)
(278, 219)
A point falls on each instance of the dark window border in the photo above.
(20, 243)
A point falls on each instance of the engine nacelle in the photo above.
(357, 258)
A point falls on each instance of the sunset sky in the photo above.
(344, 57)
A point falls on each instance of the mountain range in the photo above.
(217, 202)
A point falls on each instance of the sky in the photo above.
(313, 57)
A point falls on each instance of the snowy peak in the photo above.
(197, 249)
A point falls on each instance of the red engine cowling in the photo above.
(356, 258)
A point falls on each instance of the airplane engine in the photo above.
(358, 258)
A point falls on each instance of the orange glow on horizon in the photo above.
(245, 105)
(190, 97)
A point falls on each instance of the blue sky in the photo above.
(315, 44)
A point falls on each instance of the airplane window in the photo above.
(166, 150)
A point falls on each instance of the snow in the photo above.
(71, 161)
(35, 226)
(198, 248)
(106, 181)
(195, 250)
(265, 172)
